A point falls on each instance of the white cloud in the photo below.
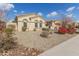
(22, 11)
(40, 14)
(70, 9)
(6, 6)
(78, 8)
(48, 15)
(70, 15)
(15, 11)
(52, 14)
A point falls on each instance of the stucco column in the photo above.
(20, 24)
(38, 25)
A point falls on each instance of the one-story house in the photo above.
(28, 22)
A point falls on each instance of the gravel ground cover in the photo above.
(34, 40)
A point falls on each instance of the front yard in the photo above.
(30, 43)
(33, 42)
(33, 39)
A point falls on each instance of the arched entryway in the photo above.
(24, 27)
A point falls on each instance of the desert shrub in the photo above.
(34, 29)
(71, 30)
(8, 32)
(45, 29)
(23, 28)
(12, 27)
(8, 41)
(44, 34)
(50, 31)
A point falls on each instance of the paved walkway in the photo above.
(67, 48)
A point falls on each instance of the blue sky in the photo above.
(47, 10)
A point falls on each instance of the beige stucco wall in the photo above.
(19, 28)
(31, 26)
(10, 23)
(56, 26)
(30, 23)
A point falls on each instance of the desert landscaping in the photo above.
(34, 40)
(30, 34)
(42, 37)
(29, 43)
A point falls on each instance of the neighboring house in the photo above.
(65, 22)
(29, 22)
(54, 24)
(11, 25)
(76, 23)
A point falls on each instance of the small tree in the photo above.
(9, 32)
(8, 41)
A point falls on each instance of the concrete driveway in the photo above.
(67, 48)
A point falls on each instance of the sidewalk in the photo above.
(67, 48)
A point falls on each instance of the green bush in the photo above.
(34, 30)
(23, 28)
(44, 34)
(50, 31)
(45, 29)
(8, 32)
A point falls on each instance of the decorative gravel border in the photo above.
(21, 51)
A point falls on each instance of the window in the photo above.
(36, 25)
(40, 24)
(25, 24)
